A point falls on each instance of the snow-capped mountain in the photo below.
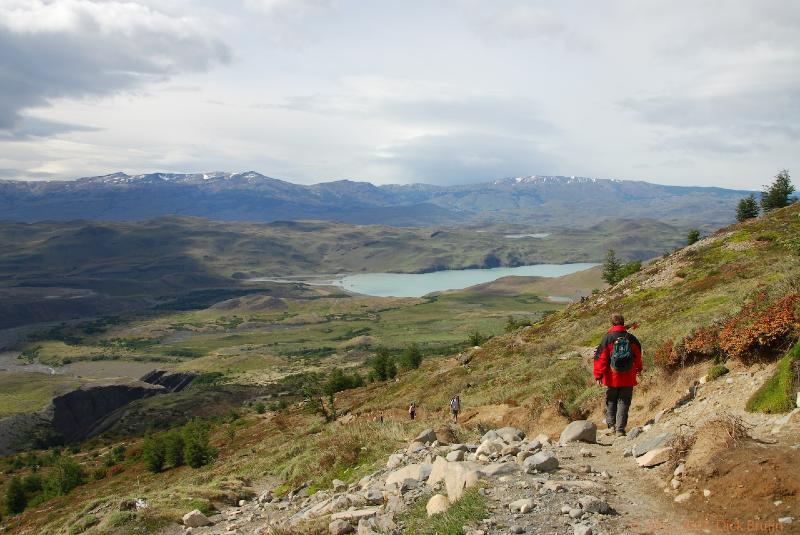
(251, 196)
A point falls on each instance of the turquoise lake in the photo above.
(419, 284)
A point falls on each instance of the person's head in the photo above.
(617, 319)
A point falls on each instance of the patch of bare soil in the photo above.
(751, 485)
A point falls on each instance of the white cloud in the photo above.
(79, 48)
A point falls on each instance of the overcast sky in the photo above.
(436, 91)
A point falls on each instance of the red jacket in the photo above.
(602, 369)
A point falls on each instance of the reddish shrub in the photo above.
(760, 332)
(666, 357)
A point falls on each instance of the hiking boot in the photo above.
(620, 432)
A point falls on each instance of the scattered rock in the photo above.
(523, 506)
(455, 456)
(339, 485)
(579, 431)
(706, 493)
(459, 476)
(356, 514)
(542, 461)
(676, 483)
(415, 447)
(446, 435)
(417, 472)
(195, 519)
(654, 457)
(426, 437)
(580, 529)
(340, 527)
(635, 432)
(683, 498)
(785, 520)
(373, 496)
(679, 470)
(498, 469)
(575, 513)
(510, 434)
(652, 443)
(395, 460)
(591, 504)
(437, 504)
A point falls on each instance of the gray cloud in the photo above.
(82, 48)
(465, 157)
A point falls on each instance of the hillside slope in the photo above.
(732, 298)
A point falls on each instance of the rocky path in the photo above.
(586, 483)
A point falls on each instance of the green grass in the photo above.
(716, 371)
(470, 509)
(778, 393)
(27, 392)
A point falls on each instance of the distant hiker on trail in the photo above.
(412, 410)
(617, 362)
(455, 406)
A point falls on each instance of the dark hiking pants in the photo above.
(618, 402)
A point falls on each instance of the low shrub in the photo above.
(716, 371)
(759, 331)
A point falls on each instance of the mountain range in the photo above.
(250, 196)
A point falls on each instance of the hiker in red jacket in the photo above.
(617, 362)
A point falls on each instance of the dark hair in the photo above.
(617, 319)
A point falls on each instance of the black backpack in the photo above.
(621, 355)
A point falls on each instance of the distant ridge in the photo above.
(250, 196)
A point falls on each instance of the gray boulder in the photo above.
(426, 437)
(579, 431)
(340, 527)
(651, 443)
(542, 461)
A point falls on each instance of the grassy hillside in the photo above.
(729, 296)
(173, 255)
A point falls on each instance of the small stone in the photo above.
(591, 504)
(586, 453)
(195, 519)
(437, 504)
(565, 509)
(242, 503)
(455, 456)
(683, 498)
(679, 470)
(339, 485)
(676, 483)
(415, 447)
(517, 529)
(706, 493)
(340, 527)
(776, 503)
(786, 520)
(635, 432)
(575, 513)
(580, 529)
(579, 431)
(605, 475)
(426, 437)
(654, 457)
(522, 506)
(542, 461)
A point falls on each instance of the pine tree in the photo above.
(747, 209)
(693, 236)
(611, 268)
(154, 454)
(776, 195)
(15, 500)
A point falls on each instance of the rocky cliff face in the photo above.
(74, 414)
(172, 381)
